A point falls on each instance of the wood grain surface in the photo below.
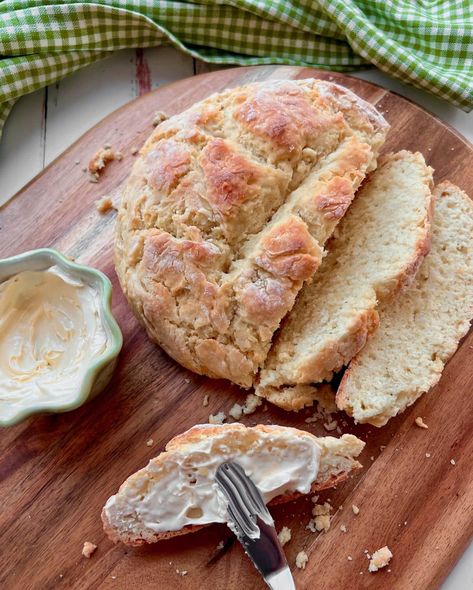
(56, 471)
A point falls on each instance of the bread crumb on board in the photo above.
(104, 204)
(217, 418)
(420, 423)
(150, 442)
(134, 150)
(380, 559)
(100, 159)
(284, 535)
(452, 461)
(181, 572)
(158, 118)
(301, 560)
(88, 549)
(251, 403)
(343, 528)
(205, 401)
(321, 520)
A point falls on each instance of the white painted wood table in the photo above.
(43, 124)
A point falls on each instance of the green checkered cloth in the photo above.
(427, 43)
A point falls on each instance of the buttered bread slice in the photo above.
(419, 331)
(378, 248)
(176, 493)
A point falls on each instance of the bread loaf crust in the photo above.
(320, 336)
(226, 211)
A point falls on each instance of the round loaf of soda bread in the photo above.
(227, 210)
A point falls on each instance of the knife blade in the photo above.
(253, 525)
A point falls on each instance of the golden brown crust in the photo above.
(226, 211)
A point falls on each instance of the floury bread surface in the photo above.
(421, 330)
(227, 210)
(376, 252)
(176, 493)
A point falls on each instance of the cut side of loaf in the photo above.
(176, 492)
(226, 212)
(421, 330)
(377, 250)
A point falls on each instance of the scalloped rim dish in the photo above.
(100, 371)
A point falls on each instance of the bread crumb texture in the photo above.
(104, 204)
(380, 559)
(421, 330)
(100, 159)
(355, 509)
(321, 520)
(284, 535)
(420, 423)
(217, 418)
(226, 212)
(376, 251)
(301, 560)
(88, 549)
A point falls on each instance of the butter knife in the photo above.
(253, 525)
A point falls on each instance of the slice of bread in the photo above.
(377, 250)
(176, 492)
(420, 331)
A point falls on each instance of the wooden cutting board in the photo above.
(56, 471)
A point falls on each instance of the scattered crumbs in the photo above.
(452, 461)
(134, 150)
(427, 455)
(118, 156)
(93, 179)
(321, 520)
(331, 425)
(361, 573)
(429, 149)
(350, 558)
(389, 571)
(61, 575)
(107, 146)
(104, 204)
(405, 522)
(379, 559)
(205, 401)
(372, 458)
(251, 403)
(236, 411)
(220, 545)
(301, 560)
(100, 159)
(343, 528)
(382, 447)
(420, 423)
(365, 551)
(149, 442)
(339, 430)
(159, 117)
(113, 577)
(355, 509)
(77, 162)
(187, 380)
(181, 573)
(284, 535)
(217, 418)
(88, 549)
(314, 499)
(84, 169)
(452, 149)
